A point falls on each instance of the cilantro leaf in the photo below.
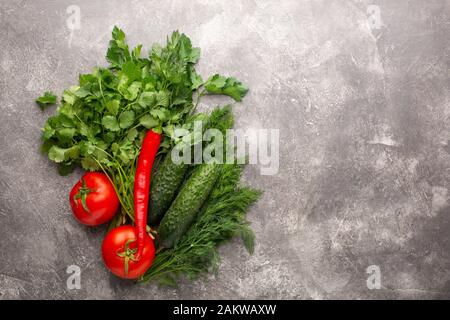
(68, 97)
(65, 133)
(118, 51)
(161, 113)
(89, 164)
(59, 154)
(131, 70)
(136, 52)
(231, 87)
(113, 106)
(194, 56)
(47, 99)
(148, 121)
(118, 34)
(56, 154)
(48, 131)
(162, 99)
(132, 134)
(132, 91)
(126, 119)
(83, 91)
(196, 80)
(110, 123)
(147, 99)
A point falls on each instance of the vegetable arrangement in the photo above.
(119, 125)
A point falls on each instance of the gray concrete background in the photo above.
(364, 118)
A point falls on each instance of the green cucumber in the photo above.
(186, 205)
(166, 182)
(169, 176)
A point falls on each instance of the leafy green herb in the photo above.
(218, 84)
(118, 51)
(48, 98)
(100, 122)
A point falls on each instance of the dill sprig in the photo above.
(221, 218)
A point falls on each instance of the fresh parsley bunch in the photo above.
(100, 123)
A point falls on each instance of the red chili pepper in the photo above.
(147, 155)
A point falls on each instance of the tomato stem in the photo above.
(128, 254)
(82, 194)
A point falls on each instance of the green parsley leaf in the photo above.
(89, 164)
(231, 87)
(147, 99)
(113, 106)
(196, 80)
(162, 99)
(132, 134)
(83, 91)
(118, 51)
(86, 148)
(148, 121)
(110, 123)
(131, 70)
(57, 154)
(194, 56)
(161, 113)
(136, 52)
(126, 119)
(68, 97)
(132, 91)
(47, 99)
(48, 131)
(65, 133)
(118, 34)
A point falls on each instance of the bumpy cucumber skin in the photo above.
(186, 205)
(163, 189)
(169, 176)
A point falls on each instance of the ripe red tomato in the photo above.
(119, 248)
(93, 199)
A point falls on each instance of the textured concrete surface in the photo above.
(364, 116)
